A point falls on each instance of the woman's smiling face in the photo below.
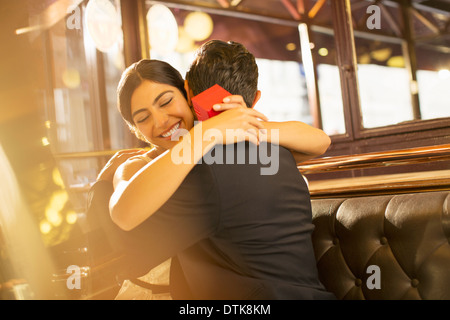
(159, 111)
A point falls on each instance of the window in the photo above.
(71, 118)
(433, 77)
(402, 66)
(384, 84)
(283, 87)
(281, 73)
(386, 97)
(329, 84)
(84, 125)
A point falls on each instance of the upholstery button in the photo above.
(383, 240)
(414, 283)
(358, 282)
(335, 241)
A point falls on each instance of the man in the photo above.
(232, 232)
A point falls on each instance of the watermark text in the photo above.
(266, 154)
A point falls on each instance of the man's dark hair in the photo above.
(228, 64)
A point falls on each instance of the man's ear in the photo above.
(189, 93)
(257, 97)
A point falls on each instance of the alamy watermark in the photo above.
(374, 20)
(74, 279)
(266, 154)
(73, 21)
(75, 274)
(374, 280)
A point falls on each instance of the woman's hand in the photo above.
(235, 124)
(230, 102)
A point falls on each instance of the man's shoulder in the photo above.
(246, 157)
(235, 153)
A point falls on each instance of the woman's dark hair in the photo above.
(145, 69)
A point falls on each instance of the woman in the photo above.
(153, 102)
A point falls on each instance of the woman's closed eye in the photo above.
(166, 102)
(142, 119)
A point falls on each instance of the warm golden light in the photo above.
(54, 207)
(198, 25)
(58, 200)
(45, 227)
(103, 24)
(381, 54)
(291, 46)
(185, 42)
(444, 74)
(162, 29)
(53, 216)
(45, 141)
(396, 62)
(57, 179)
(323, 52)
(71, 78)
(71, 217)
(364, 58)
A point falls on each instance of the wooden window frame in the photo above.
(358, 139)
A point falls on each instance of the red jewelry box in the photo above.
(204, 101)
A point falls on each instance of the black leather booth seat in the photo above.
(384, 247)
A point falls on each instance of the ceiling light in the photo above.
(185, 42)
(198, 25)
(396, 62)
(103, 24)
(323, 52)
(162, 29)
(381, 54)
(71, 78)
(291, 46)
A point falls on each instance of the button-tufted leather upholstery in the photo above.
(405, 236)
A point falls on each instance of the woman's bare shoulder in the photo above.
(130, 167)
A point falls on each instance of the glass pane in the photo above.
(281, 76)
(74, 116)
(114, 65)
(434, 93)
(384, 84)
(433, 70)
(329, 84)
(73, 124)
(70, 120)
(283, 91)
